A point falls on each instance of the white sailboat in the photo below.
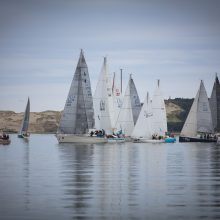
(198, 126)
(78, 114)
(104, 105)
(142, 131)
(101, 101)
(23, 132)
(129, 111)
(151, 126)
(159, 113)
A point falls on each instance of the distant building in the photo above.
(214, 102)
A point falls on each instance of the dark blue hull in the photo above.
(194, 139)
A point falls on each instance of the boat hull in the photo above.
(145, 140)
(4, 141)
(170, 140)
(65, 138)
(116, 140)
(195, 139)
(23, 136)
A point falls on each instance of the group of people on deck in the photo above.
(4, 136)
(101, 133)
(98, 133)
(160, 137)
(157, 137)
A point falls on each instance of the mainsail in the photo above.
(78, 113)
(214, 103)
(159, 112)
(135, 101)
(143, 127)
(25, 121)
(199, 118)
(130, 110)
(101, 100)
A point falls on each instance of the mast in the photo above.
(121, 80)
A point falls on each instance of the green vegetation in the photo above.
(176, 120)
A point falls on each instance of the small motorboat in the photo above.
(4, 139)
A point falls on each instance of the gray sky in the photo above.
(174, 40)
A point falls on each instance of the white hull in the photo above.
(145, 140)
(68, 138)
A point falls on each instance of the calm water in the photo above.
(42, 179)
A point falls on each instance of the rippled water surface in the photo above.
(42, 179)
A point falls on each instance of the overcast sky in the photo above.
(174, 40)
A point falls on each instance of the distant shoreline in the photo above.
(46, 122)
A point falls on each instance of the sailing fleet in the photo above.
(109, 117)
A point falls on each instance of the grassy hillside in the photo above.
(47, 121)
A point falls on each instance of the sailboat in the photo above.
(151, 126)
(78, 114)
(101, 101)
(104, 104)
(159, 113)
(142, 131)
(198, 126)
(129, 111)
(23, 133)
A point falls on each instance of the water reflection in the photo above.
(41, 179)
(77, 177)
(26, 174)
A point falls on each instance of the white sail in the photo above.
(204, 117)
(78, 113)
(199, 118)
(101, 100)
(143, 126)
(130, 110)
(159, 113)
(115, 102)
(190, 126)
(25, 121)
(125, 121)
